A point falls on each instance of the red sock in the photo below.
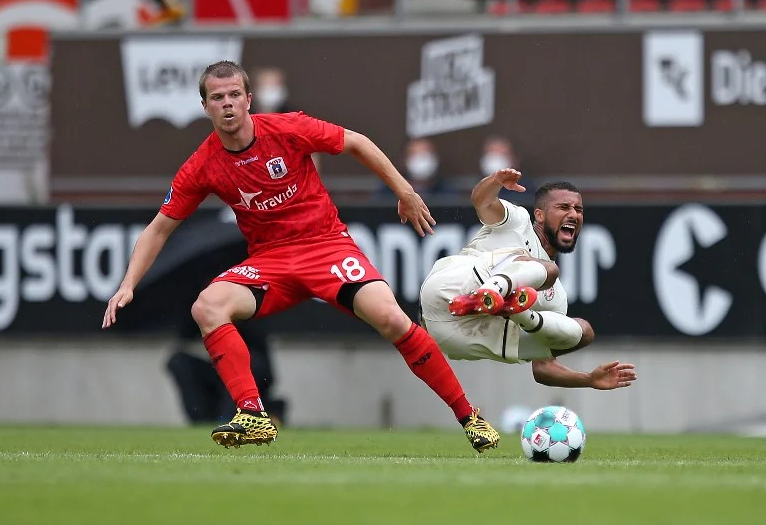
(231, 360)
(426, 361)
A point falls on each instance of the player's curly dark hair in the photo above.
(222, 69)
(543, 191)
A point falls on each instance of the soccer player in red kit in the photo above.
(261, 166)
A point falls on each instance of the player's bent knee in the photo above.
(553, 273)
(221, 303)
(587, 332)
(587, 337)
(204, 312)
(392, 322)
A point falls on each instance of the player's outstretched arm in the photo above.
(148, 246)
(484, 196)
(608, 376)
(411, 205)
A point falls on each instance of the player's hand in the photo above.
(613, 375)
(122, 298)
(413, 209)
(509, 178)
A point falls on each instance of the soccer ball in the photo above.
(553, 434)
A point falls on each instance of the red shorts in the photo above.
(295, 273)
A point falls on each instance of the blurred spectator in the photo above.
(421, 169)
(166, 12)
(498, 153)
(269, 88)
(270, 93)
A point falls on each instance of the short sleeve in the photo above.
(514, 216)
(187, 191)
(314, 135)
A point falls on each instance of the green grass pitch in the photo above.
(76, 475)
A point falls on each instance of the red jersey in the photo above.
(272, 185)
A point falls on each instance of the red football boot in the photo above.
(519, 301)
(477, 302)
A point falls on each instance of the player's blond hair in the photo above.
(222, 69)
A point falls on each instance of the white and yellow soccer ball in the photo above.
(553, 434)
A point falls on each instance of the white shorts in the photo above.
(472, 337)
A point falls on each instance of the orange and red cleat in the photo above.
(490, 302)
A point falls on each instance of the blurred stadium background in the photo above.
(654, 108)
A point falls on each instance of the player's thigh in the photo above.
(376, 305)
(223, 299)
(459, 341)
(328, 268)
(443, 285)
(339, 273)
(268, 281)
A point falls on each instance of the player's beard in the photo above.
(553, 239)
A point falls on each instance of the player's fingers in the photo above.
(426, 224)
(429, 217)
(418, 228)
(113, 312)
(119, 302)
(609, 366)
(626, 366)
(109, 314)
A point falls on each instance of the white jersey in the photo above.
(486, 337)
(516, 231)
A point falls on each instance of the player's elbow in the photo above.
(162, 226)
(475, 197)
(540, 371)
(480, 199)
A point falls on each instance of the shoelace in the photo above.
(476, 421)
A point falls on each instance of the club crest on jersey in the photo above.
(168, 196)
(548, 293)
(277, 168)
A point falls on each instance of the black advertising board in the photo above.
(686, 271)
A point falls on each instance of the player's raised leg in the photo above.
(554, 330)
(214, 310)
(511, 288)
(374, 302)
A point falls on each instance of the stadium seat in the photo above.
(503, 7)
(686, 6)
(595, 6)
(549, 7)
(644, 6)
(723, 5)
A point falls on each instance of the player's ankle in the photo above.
(498, 283)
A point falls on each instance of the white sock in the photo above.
(511, 274)
(498, 283)
(552, 329)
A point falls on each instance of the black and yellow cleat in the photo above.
(480, 434)
(246, 428)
